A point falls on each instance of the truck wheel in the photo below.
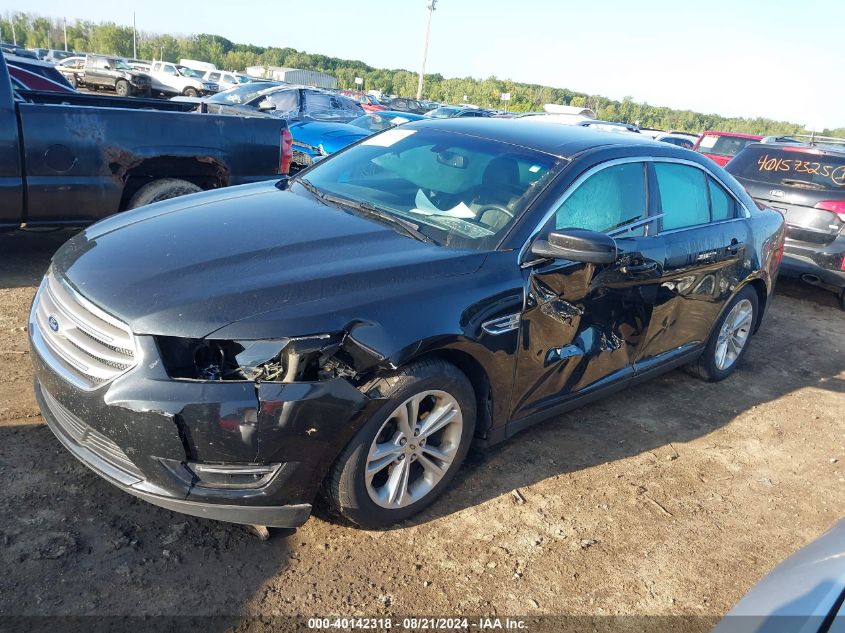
(162, 189)
(190, 92)
(406, 454)
(122, 88)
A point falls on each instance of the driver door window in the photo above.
(606, 202)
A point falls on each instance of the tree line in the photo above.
(109, 38)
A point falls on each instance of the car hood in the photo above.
(190, 266)
(331, 135)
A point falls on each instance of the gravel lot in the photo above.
(671, 499)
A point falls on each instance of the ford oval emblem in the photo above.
(53, 322)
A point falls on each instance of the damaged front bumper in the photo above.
(238, 451)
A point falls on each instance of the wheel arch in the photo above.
(204, 171)
(478, 377)
(762, 291)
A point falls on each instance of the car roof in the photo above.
(819, 147)
(557, 139)
(411, 116)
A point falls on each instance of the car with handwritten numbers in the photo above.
(803, 177)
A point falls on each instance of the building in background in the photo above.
(293, 76)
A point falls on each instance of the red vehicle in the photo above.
(723, 146)
(368, 102)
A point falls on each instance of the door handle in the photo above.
(639, 269)
(735, 246)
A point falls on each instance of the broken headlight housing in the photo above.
(299, 359)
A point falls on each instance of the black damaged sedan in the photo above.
(350, 331)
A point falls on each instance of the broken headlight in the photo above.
(307, 358)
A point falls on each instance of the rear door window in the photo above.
(683, 195)
(792, 167)
(722, 205)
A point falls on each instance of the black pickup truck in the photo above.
(70, 159)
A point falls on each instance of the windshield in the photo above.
(243, 94)
(443, 113)
(188, 72)
(799, 168)
(377, 122)
(119, 64)
(461, 191)
(324, 106)
(722, 145)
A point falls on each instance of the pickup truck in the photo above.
(175, 79)
(113, 73)
(69, 160)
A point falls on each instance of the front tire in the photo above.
(729, 341)
(190, 92)
(122, 88)
(407, 453)
(162, 189)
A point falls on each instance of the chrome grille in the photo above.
(94, 346)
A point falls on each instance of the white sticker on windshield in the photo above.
(388, 138)
(534, 169)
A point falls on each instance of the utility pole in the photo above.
(14, 36)
(134, 39)
(430, 6)
(65, 30)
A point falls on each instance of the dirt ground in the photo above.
(671, 499)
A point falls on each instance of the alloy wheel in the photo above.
(734, 334)
(413, 449)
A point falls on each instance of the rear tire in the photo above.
(162, 189)
(729, 341)
(122, 88)
(421, 460)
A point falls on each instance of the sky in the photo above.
(772, 58)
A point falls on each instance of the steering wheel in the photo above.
(493, 207)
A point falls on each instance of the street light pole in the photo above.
(134, 39)
(430, 6)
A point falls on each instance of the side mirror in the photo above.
(106, 67)
(578, 245)
(266, 105)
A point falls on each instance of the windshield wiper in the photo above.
(368, 209)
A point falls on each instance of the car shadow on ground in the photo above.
(794, 350)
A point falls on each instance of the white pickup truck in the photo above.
(175, 79)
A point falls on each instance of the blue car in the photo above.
(318, 120)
